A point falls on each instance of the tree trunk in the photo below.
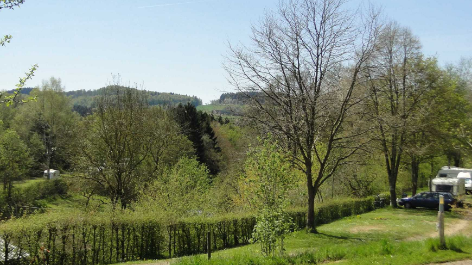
(457, 160)
(415, 168)
(49, 165)
(392, 179)
(310, 223)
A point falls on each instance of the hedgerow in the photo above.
(103, 238)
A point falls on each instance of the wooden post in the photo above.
(441, 221)
(209, 244)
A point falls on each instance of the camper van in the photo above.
(451, 179)
(467, 176)
(53, 174)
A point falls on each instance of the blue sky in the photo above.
(177, 45)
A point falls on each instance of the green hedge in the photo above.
(95, 239)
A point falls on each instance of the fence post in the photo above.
(441, 221)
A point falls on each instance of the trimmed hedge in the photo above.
(97, 240)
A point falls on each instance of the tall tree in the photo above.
(48, 126)
(395, 95)
(196, 125)
(116, 143)
(305, 64)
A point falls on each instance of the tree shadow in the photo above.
(343, 237)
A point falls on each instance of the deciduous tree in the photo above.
(304, 63)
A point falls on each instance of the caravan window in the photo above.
(443, 175)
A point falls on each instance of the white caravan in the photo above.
(53, 174)
(451, 179)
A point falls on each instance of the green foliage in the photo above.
(48, 126)
(180, 190)
(14, 157)
(14, 163)
(27, 199)
(196, 125)
(116, 142)
(268, 169)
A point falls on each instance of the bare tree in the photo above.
(395, 96)
(305, 64)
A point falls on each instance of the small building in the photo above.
(53, 174)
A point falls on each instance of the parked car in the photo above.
(428, 200)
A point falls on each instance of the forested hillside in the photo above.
(85, 99)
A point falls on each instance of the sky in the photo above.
(177, 45)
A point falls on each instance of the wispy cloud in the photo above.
(174, 4)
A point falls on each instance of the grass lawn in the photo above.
(385, 236)
(26, 183)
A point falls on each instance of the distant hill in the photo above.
(85, 98)
(25, 90)
(229, 104)
(237, 98)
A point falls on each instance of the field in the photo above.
(223, 109)
(384, 236)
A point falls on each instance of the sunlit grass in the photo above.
(385, 236)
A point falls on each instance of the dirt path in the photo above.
(460, 226)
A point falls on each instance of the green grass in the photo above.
(386, 236)
(26, 183)
(223, 107)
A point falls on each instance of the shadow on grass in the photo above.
(424, 212)
(342, 237)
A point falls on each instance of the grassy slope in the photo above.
(228, 107)
(25, 183)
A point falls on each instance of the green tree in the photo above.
(267, 171)
(395, 96)
(116, 142)
(196, 125)
(169, 145)
(181, 190)
(442, 109)
(14, 162)
(48, 126)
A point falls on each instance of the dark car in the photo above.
(427, 200)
